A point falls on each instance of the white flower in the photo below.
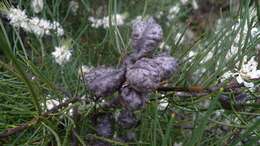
(74, 6)
(17, 17)
(226, 76)
(51, 103)
(116, 20)
(39, 26)
(249, 85)
(37, 5)
(163, 103)
(56, 26)
(248, 71)
(35, 25)
(61, 55)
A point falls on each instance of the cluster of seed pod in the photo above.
(140, 74)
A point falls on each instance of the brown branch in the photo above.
(197, 90)
(11, 131)
(18, 128)
(187, 91)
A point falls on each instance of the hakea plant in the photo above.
(141, 73)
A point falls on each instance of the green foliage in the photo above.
(29, 76)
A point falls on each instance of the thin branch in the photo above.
(11, 131)
(192, 91)
(198, 91)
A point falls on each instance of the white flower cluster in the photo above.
(40, 27)
(248, 71)
(116, 20)
(62, 54)
(37, 5)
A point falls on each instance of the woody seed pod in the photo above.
(132, 99)
(104, 81)
(104, 125)
(127, 119)
(146, 36)
(145, 75)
